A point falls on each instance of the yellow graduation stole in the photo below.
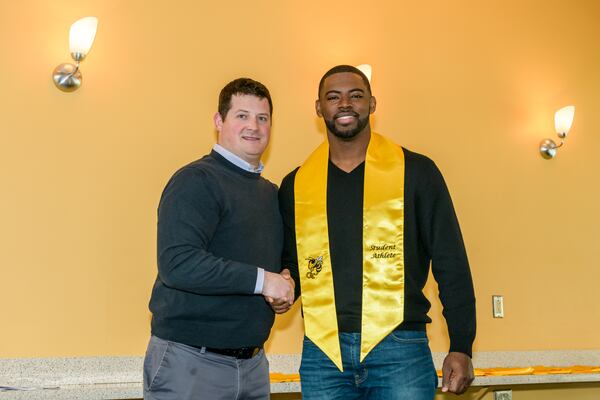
(383, 247)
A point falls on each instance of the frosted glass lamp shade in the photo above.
(81, 36)
(563, 119)
(366, 69)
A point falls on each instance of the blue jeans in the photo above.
(400, 367)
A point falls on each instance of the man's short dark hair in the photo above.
(344, 68)
(242, 86)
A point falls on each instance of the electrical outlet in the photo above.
(498, 306)
(503, 395)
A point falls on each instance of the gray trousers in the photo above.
(175, 371)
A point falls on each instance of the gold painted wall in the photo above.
(472, 84)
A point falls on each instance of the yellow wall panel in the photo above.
(474, 85)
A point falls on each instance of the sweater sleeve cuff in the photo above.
(461, 344)
(260, 280)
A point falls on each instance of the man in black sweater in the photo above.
(219, 260)
(363, 218)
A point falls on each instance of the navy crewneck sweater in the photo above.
(217, 223)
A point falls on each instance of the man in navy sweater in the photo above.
(220, 239)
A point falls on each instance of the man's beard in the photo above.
(347, 135)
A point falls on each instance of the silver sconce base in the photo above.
(548, 148)
(67, 77)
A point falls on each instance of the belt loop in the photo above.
(202, 349)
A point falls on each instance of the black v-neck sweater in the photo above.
(431, 234)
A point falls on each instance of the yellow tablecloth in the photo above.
(534, 370)
(277, 377)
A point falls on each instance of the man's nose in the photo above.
(345, 102)
(252, 124)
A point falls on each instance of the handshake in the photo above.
(278, 290)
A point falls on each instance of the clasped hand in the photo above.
(278, 290)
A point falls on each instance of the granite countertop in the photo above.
(121, 377)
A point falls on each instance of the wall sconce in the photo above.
(563, 119)
(366, 69)
(67, 77)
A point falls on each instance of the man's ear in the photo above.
(318, 108)
(218, 120)
(372, 104)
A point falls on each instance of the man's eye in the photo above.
(242, 116)
(357, 96)
(332, 98)
(263, 119)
